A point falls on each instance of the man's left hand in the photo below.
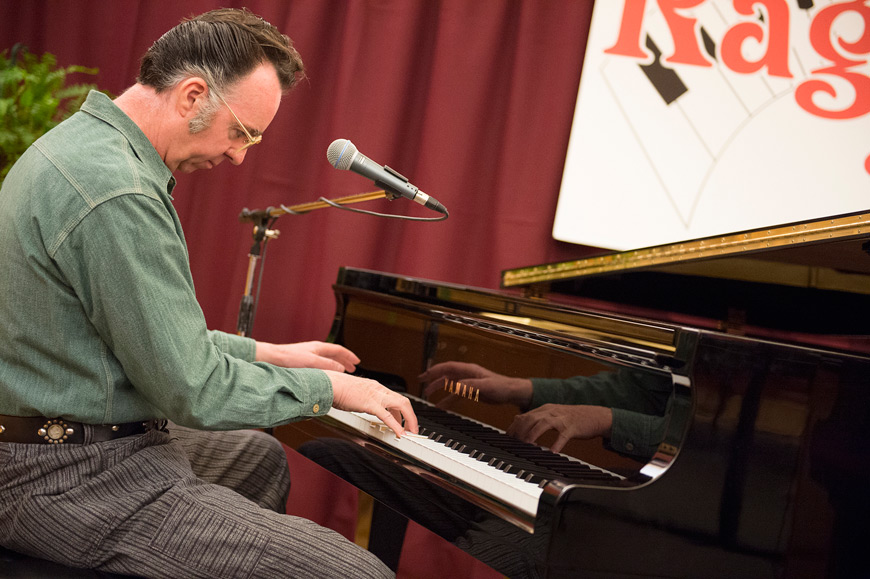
(321, 355)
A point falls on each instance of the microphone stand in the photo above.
(263, 221)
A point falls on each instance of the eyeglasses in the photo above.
(250, 140)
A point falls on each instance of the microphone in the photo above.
(342, 154)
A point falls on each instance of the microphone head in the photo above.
(340, 154)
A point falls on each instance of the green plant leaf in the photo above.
(34, 97)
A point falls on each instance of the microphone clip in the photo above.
(390, 193)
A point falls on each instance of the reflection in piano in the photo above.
(739, 443)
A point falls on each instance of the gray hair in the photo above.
(221, 47)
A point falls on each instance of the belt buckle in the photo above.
(55, 431)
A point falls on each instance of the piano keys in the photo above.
(509, 472)
(753, 459)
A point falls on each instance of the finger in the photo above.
(447, 370)
(328, 364)
(433, 386)
(434, 370)
(520, 426)
(388, 419)
(560, 443)
(402, 408)
(396, 414)
(339, 354)
(409, 416)
(538, 430)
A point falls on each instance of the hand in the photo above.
(569, 422)
(357, 394)
(321, 355)
(493, 387)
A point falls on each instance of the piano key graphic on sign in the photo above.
(664, 79)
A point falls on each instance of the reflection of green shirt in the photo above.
(99, 322)
(638, 402)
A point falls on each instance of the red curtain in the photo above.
(472, 100)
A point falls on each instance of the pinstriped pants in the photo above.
(182, 504)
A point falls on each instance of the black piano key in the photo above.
(498, 450)
(665, 80)
(709, 43)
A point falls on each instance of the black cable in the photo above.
(376, 214)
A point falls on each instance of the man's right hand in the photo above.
(356, 394)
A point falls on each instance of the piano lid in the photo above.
(806, 279)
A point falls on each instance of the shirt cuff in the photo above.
(634, 434)
(318, 397)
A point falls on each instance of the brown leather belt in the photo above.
(42, 430)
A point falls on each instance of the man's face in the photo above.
(254, 101)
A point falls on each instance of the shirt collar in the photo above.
(101, 106)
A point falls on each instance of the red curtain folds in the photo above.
(473, 101)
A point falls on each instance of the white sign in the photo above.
(703, 117)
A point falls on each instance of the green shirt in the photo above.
(99, 322)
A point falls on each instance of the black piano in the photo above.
(748, 359)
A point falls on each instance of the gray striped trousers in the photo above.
(184, 505)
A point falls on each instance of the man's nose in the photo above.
(235, 156)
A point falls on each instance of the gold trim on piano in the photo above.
(837, 228)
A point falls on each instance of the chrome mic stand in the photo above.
(264, 221)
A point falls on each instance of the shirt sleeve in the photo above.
(637, 391)
(234, 345)
(127, 263)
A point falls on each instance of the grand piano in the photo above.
(749, 363)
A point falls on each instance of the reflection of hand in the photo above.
(356, 394)
(568, 421)
(493, 387)
(321, 355)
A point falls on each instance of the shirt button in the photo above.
(629, 446)
(316, 408)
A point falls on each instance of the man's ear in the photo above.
(190, 95)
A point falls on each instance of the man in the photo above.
(101, 337)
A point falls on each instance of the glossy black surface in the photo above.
(762, 462)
